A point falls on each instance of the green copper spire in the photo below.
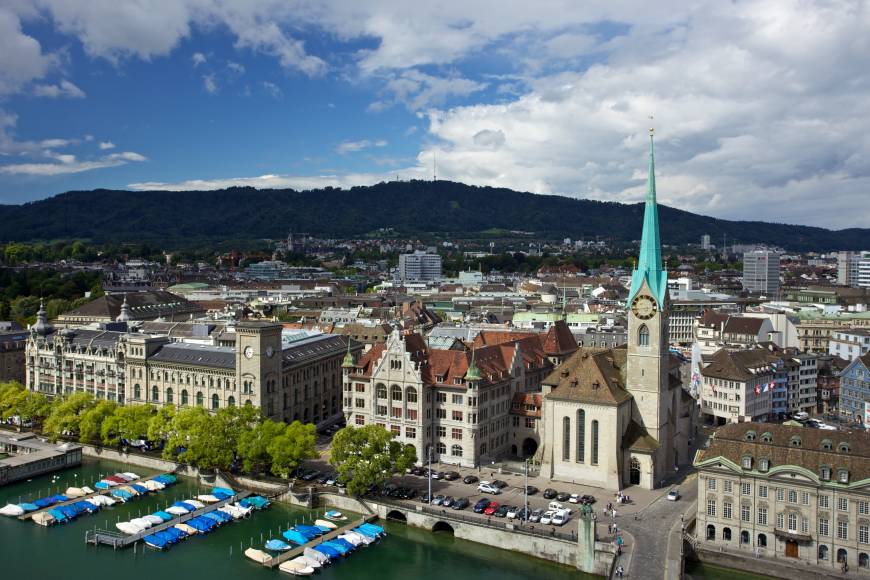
(473, 373)
(649, 265)
(348, 358)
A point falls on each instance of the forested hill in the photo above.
(409, 207)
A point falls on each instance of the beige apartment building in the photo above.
(792, 493)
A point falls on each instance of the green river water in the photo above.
(31, 551)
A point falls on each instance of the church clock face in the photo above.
(644, 307)
(249, 352)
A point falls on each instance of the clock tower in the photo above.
(647, 375)
(258, 365)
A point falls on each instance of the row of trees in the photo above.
(233, 436)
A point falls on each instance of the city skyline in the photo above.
(751, 123)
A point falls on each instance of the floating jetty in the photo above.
(117, 540)
(276, 561)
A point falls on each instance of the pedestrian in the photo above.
(609, 529)
(620, 571)
(615, 529)
(614, 514)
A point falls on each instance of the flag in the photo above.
(766, 387)
(757, 389)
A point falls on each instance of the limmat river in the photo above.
(30, 551)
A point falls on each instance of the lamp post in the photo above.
(429, 473)
(526, 490)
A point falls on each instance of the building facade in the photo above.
(419, 266)
(775, 491)
(849, 344)
(855, 388)
(12, 347)
(761, 272)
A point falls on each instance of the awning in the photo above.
(792, 536)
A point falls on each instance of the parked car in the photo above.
(438, 475)
(513, 512)
(522, 514)
(487, 487)
(461, 503)
(531, 490)
(331, 479)
(575, 498)
(310, 475)
(502, 511)
(418, 471)
(500, 484)
(438, 499)
(480, 506)
(673, 495)
(451, 476)
(555, 506)
(535, 516)
(587, 499)
(560, 518)
(563, 496)
(425, 498)
(411, 493)
(550, 493)
(491, 508)
(470, 479)
(447, 501)
(323, 479)
(547, 517)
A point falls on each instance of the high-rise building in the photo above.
(705, 242)
(761, 272)
(420, 266)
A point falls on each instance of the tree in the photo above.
(367, 456)
(66, 416)
(289, 449)
(94, 418)
(208, 441)
(130, 422)
(253, 446)
(160, 424)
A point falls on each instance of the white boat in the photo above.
(142, 523)
(102, 500)
(197, 504)
(176, 510)
(74, 492)
(43, 519)
(155, 520)
(313, 554)
(353, 539)
(325, 524)
(152, 485)
(335, 516)
(87, 490)
(313, 563)
(207, 498)
(258, 556)
(11, 510)
(365, 540)
(131, 475)
(128, 528)
(230, 510)
(189, 530)
(297, 567)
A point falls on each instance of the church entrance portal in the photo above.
(529, 447)
(634, 472)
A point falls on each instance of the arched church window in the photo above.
(643, 336)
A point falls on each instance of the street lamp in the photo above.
(429, 473)
(526, 490)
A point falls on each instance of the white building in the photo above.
(419, 266)
(849, 344)
(761, 272)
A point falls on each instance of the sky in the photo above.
(760, 108)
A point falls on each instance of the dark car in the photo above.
(470, 479)
(480, 506)
(531, 489)
(461, 503)
(502, 511)
(500, 484)
(587, 499)
(523, 514)
(563, 496)
(550, 493)
(324, 478)
(418, 471)
(451, 476)
(310, 475)
(425, 498)
(447, 501)
(410, 493)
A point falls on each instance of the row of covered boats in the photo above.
(110, 490)
(315, 555)
(199, 524)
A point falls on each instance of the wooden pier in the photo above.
(119, 540)
(27, 516)
(276, 561)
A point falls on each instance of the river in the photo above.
(31, 551)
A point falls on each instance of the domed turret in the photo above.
(42, 327)
(348, 361)
(473, 373)
(124, 316)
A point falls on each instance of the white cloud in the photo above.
(354, 146)
(106, 145)
(235, 67)
(209, 84)
(63, 89)
(198, 58)
(68, 164)
(273, 90)
(21, 56)
(418, 90)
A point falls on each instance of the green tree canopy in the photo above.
(130, 422)
(93, 419)
(160, 424)
(253, 446)
(294, 445)
(367, 456)
(66, 415)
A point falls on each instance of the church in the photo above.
(618, 417)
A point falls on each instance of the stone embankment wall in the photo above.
(767, 566)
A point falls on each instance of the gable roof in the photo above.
(591, 376)
(739, 364)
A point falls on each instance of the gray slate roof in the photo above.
(197, 354)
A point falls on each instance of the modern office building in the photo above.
(761, 272)
(853, 269)
(419, 266)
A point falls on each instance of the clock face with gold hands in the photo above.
(644, 307)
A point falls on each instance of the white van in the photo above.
(801, 416)
(561, 517)
(556, 507)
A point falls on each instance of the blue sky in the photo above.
(548, 97)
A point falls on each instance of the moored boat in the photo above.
(297, 567)
(43, 519)
(258, 556)
(277, 545)
(335, 516)
(12, 510)
(325, 524)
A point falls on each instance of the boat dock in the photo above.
(29, 515)
(276, 561)
(119, 540)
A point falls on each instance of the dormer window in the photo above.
(457, 381)
(747, 462)
(439, 378)
(843, 447)
(843, 475)
(763, 464)
(767, 438)
(795, 441)
(750, 436)
(825, 473)
(827, 445)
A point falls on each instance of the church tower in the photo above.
(648, 353)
